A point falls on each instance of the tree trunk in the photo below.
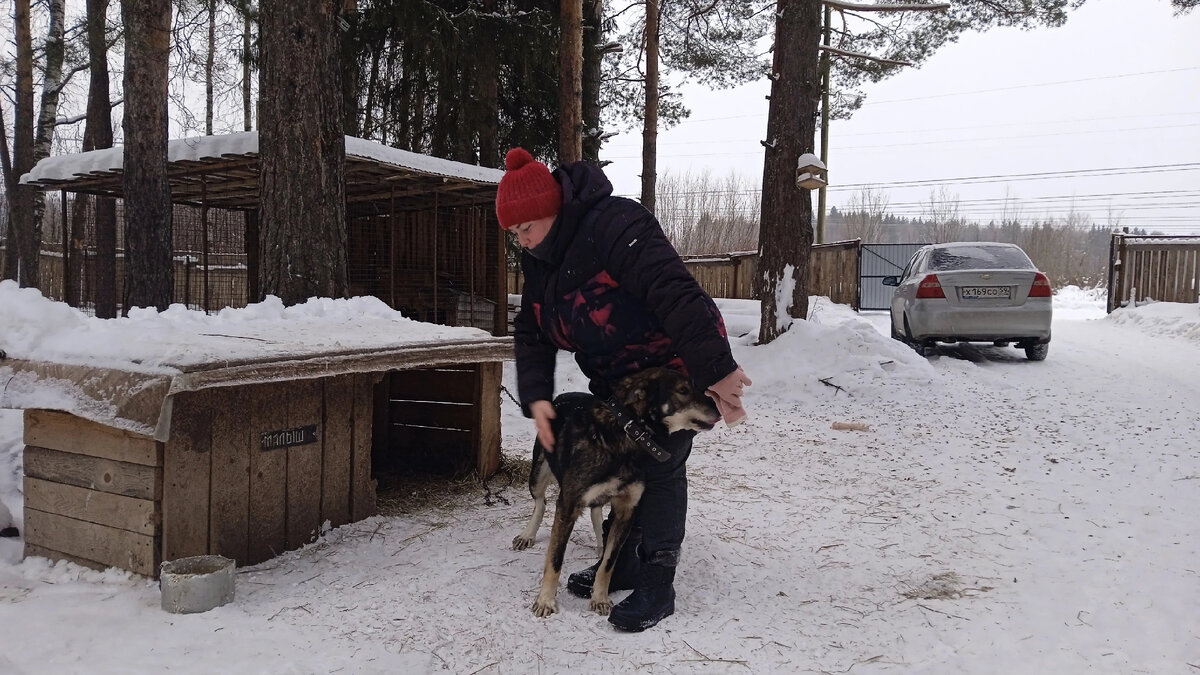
(149, 277)
(247, 101)
(8, 264)
(209, 59)
(97, 135)
(488, 72)
(303, 152)
(593, 33)
(368, 124)
(650, 115)
(347, 43)
(786, 233)
(48, 110)
(22, 249)
(446, 107)
(570, 71)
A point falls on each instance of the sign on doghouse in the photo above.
(286, 438)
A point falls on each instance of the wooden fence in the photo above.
(1153, 267)
(226, 279)
(728, 275)
(833, 272)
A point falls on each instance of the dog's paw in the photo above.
(543, 607)
(601, 607)
(521, 542)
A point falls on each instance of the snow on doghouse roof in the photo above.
(121, 371)
(227, 165)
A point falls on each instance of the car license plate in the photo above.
(982, 292)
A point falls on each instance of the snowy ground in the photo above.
(1000, 516)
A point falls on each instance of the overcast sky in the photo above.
(1115, 89)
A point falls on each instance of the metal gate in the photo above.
(877, 261)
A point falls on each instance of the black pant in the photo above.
(662, 511)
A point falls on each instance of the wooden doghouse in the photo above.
(245, 459)
(239, 473)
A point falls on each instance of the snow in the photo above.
(66, 167)
(139, 360)
(998, 516)
(35, 328)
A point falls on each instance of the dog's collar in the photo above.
(635, 431)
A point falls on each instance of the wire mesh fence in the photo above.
(441, 265)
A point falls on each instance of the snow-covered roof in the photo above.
(122, 372)
(229, 165)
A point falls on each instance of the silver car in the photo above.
(976, 291)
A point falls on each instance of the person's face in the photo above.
(532, 233)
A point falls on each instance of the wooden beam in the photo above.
(93, 506)
(66, 432)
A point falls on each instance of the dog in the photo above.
(540, 477)
(600, 448)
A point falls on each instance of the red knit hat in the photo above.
(527, 191)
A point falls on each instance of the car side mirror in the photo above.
(891, 281)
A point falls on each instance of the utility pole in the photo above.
(826, 50)
(825, 30)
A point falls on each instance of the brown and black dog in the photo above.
(597, 461)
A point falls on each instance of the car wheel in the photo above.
(1037, 352)
(922, 348)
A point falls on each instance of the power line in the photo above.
(975, 180)
(1044, 175)
(906, 132)
(1009, 138)
(1034, 85)
(959, 141)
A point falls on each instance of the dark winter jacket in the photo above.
(613, 290)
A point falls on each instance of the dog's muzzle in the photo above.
(636, 432)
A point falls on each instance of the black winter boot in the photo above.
(625, 569)
(654, 598)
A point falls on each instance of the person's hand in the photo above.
(543, 412)
(727, 394)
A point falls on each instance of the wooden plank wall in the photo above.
(92, 493)
(833, 272)
(225, 494)
(1148, 268)
(104, 497)
(442, 419)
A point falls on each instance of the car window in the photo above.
(979, 258)
(909, 268)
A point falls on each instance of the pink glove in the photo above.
(727, 394)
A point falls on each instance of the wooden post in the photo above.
(252, 256)
(1115, 263)
(187, 477)
(435, 259)
(229, 506)
(392, 246)
(66, 250)
(487, 417)
(496, 236)
(204, 239)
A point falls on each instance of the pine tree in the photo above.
(786, 233)
(97, 135)
(302, 151)
(149, 275)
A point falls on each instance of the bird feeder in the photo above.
(810, 172)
